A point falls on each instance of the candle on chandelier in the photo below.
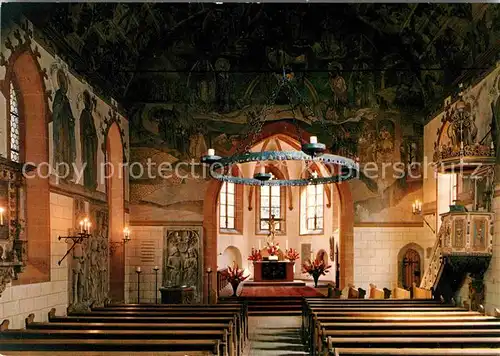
(1, 216)
(88, 227)
(211, 152)
(81, 225)
(313, 139)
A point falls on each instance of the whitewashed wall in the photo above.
(17, 302)
(376, 253)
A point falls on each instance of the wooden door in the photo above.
(411, 268)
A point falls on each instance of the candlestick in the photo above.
(156, 268)
(138, 269)
(313, 139)
(1, 216)
(209, 270)
(211, 152)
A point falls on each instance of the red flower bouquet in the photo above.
(255, 256)
(272, 248)
(291, 254)
(315, 269)
(234, 276)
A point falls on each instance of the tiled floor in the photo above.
(275, 335)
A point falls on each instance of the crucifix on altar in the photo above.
(272, 222)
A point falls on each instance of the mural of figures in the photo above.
(183, 259)
(89, 142)
(63, 126)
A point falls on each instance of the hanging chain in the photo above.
(256, 121)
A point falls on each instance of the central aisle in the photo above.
(275, 336)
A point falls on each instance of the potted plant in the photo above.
(255, 255)
(272, 250)
(234, 276)
(291, 254)
(315, 269)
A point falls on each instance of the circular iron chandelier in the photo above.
(312, 152)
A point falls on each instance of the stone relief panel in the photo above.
(183, 259)
(89, 276)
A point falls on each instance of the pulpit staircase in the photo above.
(463, 246)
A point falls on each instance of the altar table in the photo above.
(279, 271)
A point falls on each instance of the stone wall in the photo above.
(376, 253)
(19, 301)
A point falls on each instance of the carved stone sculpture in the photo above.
(89, 264)
(183, 259)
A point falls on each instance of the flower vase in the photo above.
(235, 285)
(316, 278)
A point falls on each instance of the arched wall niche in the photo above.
(24, 71)
(232, 255)
(346, 212)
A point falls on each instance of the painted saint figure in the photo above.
(89, 143)
(63, 128)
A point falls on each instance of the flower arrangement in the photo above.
(315, 269)
(234, 276)
(291, 254)
(272, 248)
(255, 256)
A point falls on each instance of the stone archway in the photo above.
(346, 213)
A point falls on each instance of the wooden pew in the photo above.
(341, 351)
(156, 319)
(376, 293)
(241, 308)
(238, 320)
(400, 293)
(420, 293)
(414, 342)
(186, 347)
(226, 349)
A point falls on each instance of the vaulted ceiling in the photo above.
(414, 53)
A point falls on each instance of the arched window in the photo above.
(314, 208)
(227, 206)
(270, 204)
(14, 147)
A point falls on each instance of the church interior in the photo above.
(249, 179)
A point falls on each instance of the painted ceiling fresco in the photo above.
(192, 76)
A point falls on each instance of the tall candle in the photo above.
(88, 227)
(259, 244)
(211, 152)
(262, 169)
(286, 244)
(81, 226)
(313, 139)
(1, 215)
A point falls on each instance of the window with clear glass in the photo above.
(14, 125)
(270, 204)
(314, 208)
(227, 206)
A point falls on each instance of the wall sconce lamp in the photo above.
(113, 245)
(2, 210)
(78, 238)
(416, 209)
